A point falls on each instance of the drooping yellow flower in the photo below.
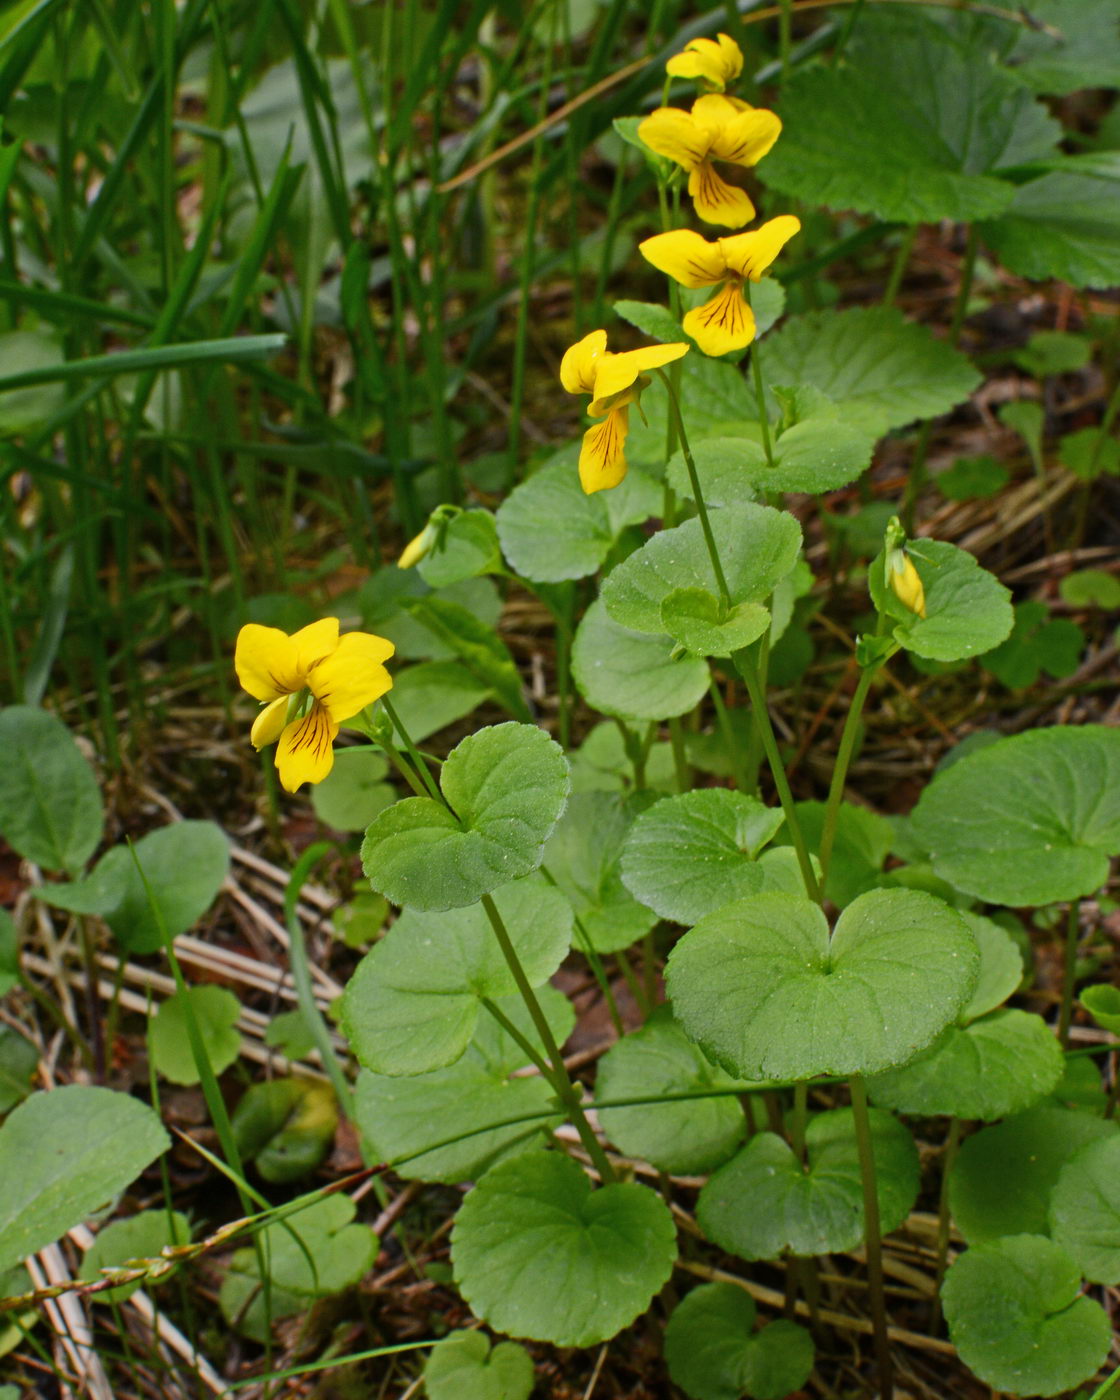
(716, 62)
(717, 128)
(906, 582)
(614, 383)
(340, 675)
(725, 322)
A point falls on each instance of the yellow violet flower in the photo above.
(614, 383)
(717, 128)
(341, 674)
(716, 62)
(725, 322)
(906, 582)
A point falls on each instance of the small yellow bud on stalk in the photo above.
(906, 582)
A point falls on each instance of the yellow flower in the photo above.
(716, 62)
(725, 322)
(717, 128)
(614, 383)
(341, 674)
(906, 582)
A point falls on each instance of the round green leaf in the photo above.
(139, 1236)
(463, 1365)
(1002, 1177)
(757, 546)
(1085, 1209)
(582, 856)
(538, 1254)
(50, 805)
(794, 1004)
(632, 675)
(216, 1010)
(999, 1065)
(1029, 820)
(65, 1153)
(763, 1203)
(413, 1002)
(1102, 1002)
(354, 791)
(1017, 1319)
(713, 1352)
(968, 610)
(507, 785)
(552, 530)
(691, 854)
(685, 1137)
(1001, 966)
(696, 618)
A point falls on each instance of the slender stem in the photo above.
(591, 953)
(747, 669)
(1069, 975)
(680, 757)
(759, 391)
(734, 757)
(952, 1142)
(697, 493)
(649, 970)
(964, 291)
(534, 1055)
(840, 771)
(800, 1114)
(558, 1075)
(414, 754)
(898, 267)
(404, 770)
(1110, 412)
(637, 991)
(872, 1235)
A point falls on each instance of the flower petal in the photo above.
(687, 257)
(305, 753)
(602, 461)
(724, 323)
(618, 372)
(750, 254)
(268, 724)
(716, 201)
(714, 111)
(577, 368)
(671, 132)
(717, 63)
(352, 677)
(269, 663)
(746, 138)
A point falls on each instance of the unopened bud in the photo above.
(906, 582)
(417, 547)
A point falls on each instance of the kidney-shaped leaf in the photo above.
(631, 674)
(463, 1364)
(537, 1253)
(714, 1353)
(507, 785)
(50, 806)
(766, 993)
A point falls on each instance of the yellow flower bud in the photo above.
(906, 582)
(417, 548)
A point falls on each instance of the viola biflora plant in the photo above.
(803, 1008)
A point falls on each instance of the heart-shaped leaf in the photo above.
(697, 619)
(50, 805)
(794, 1003)
(413, 1002)
(506, 785)
(689, 855)
(714, 1353)
(597, 1257)
(968, 610)
(1017, 1319)
(688, 1136)
(1029, 820)
(633, 675)
(763, 1203)
(1085, 1209)
(463, 1364)
(215, 1010)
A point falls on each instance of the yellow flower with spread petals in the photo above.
(717, 128)
(340, 675)
(716, 62)
(725, 322)
(614, 383)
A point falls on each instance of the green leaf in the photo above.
(1001, 1180)
(1031, 819)
(1085, 1209)
(139, 1236)
(582, 856)
(1054, 352)
(822, 452)
(286, 1126)
(1083, 53)
(467, 545)
(354, 791)
(764, 1203)
(50, 806)
(685, 1137)
(714, 1353)
(719, 402)
(757, 546)
(689, 855)
(1088, 455)
(19, 1059)
(414, 1001)
(601, 763)
(463, 1364)
(1001, 966)
(475, 643)
(951, 120)
(1035, 644)
(551, 530)
(972, 479)
(862, 843)
(968, 610)
(23, 410)
(1103, 1003)
(1064, 225)
(696, 619)
(880, 370)
(1091, 588)
(382, 604)
(453, 1124)
(433, 695)
(794, 1003)
(9, 953)
(597, 1257)
(631, 674)
(216, 1011)
(185, 864)
(65, 1153)
(507, 785)
(998, 1065)
(652, 319)
(727, 468)
(1017, 1320)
